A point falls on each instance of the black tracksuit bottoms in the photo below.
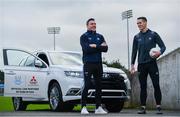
(144, 69)
(95, 70)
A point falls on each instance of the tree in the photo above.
(117, 64)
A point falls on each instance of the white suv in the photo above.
(57, 78)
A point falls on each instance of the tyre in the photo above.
(114, 106)
(18, 104)
(55, 97)
(67, 107)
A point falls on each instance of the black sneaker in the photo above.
(142, 110)
(159, 110)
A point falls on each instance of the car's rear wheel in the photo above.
(114, 106)
(55, 97)
(18, 104)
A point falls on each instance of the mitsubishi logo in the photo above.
(33, 79)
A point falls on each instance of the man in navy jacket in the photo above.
(93, 44)
(143, 42)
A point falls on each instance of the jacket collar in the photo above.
(145, 32)
(91, 32)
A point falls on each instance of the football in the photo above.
(152, 51)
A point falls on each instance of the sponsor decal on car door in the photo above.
(22, 77)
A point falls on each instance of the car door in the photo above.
(22, 77)
(1, 75)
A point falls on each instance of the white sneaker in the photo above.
(84, 111)
(100, 110)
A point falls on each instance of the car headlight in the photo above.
(77, 74)
(124, 75)
(126, 80)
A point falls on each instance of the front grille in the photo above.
(111, 93)
(111, 81)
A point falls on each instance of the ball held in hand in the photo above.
(153, 51)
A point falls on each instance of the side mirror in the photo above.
(38, 63)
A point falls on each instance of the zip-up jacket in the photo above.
(143, 42)
(92, 55)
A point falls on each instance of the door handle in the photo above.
(48, 73)
(11, 73)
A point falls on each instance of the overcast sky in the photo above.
(23, 23)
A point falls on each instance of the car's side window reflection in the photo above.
(21, 58)
(30, 61)
(22, 62)
(15, 57)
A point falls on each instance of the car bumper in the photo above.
(106, 94)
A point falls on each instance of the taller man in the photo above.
(93, 44)
(143, 42)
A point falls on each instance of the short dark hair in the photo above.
(143, 18)
(90, 19)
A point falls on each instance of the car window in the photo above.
(59, 58)
(43, 57)
(76, 55)
(22, 62)
(30, 61)
(15, 57)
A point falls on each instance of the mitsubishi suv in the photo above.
(56, 78)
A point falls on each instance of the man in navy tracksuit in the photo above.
(93, 44)
(143, 42)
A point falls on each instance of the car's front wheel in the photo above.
(67, 106)
(115, 106)
(55, 97)
(18, 104)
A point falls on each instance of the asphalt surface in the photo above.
(123, 113)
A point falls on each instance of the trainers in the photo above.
(142, 110)
(158, 110)
(100, 110)
(84, 111)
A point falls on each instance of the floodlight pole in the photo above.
(126, 15)
(53, 30)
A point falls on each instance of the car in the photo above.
(56, 78)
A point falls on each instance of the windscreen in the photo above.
(60, 58)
